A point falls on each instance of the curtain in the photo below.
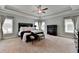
(2, 21)
(40, 24)
(74, 19)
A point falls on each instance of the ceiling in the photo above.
(30, 9)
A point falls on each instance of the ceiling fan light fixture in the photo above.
(39, 11)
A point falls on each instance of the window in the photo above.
(8, 26)
(69, 26)
(43, 26)
(36, 24)
(40, 25)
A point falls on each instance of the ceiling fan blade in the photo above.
(45, 8)
(43, 12)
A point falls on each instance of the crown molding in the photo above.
(10, 8)
(17, 10)
(57, 13)
(66, 12)
(13, 11)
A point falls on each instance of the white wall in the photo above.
(59, 21)
(21, 20)
(54, 21)
(16, 20)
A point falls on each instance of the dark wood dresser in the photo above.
(52, 30)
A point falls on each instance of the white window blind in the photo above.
(8, 26)
(69, 26)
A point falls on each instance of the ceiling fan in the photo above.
(40, 9)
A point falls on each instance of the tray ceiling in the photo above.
(30, 9)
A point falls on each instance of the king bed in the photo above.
(28, 33)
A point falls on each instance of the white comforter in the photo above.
(25, 34)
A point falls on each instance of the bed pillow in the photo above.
(26, 28)
(22, 28)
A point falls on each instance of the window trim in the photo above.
(64, 26)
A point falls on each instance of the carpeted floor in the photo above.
(51, 44)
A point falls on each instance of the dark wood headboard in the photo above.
(24, 25)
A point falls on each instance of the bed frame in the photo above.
(29, 25)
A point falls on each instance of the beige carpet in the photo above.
(51, 44)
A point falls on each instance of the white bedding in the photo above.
(26, 29)
(24, 36)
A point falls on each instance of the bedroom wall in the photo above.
(16, 20)
(54, 21)
(51, 20)
(20, 20)
(59, 21)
